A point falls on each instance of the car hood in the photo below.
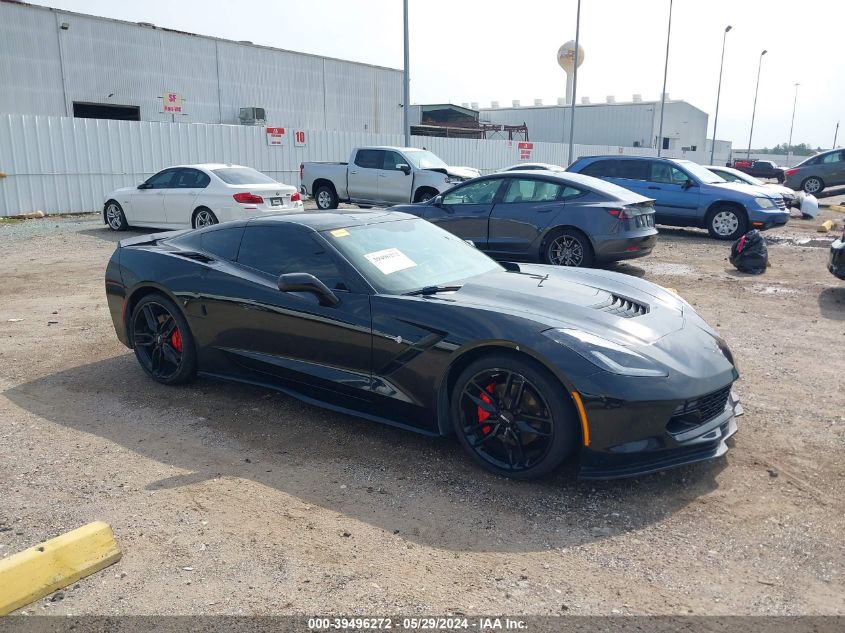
(457, 172)
(626, 310)
(122, 191)
(618, 307)
(780, 189)
(747, 188)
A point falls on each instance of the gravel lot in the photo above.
(236, 500)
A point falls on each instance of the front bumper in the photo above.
(661, 452)
(836, 261)
(768, 219)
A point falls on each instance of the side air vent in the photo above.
(622, 307)
(200, 257)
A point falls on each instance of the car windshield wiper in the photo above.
(432, 290)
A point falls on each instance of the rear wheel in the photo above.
(114, 216)
(725, 222)
(812, 185)
(512, 418)
(204, 217)
(162, 340)
(568, 247)
(325, 198)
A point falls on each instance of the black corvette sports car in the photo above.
(386, 316)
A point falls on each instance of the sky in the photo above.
(477, 50)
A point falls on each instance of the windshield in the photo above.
(405, 255)
(243, 176)
(423, 159)
(702, 173)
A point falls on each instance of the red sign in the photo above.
(525, 150)
(275, 136)
(171, 102)
(299, 138)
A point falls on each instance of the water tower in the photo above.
(566, 59)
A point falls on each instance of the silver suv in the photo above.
(817, 172)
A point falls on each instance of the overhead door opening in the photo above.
(106, 111)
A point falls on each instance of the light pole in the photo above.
(569, 156)
(718, 94)
(407, 82)
(754, 111)
(791, 126)
(835, 134)
(665, 71)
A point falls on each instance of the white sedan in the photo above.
(190, 196)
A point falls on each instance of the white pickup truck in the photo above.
(377, 176)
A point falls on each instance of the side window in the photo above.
(161, 180)
(525, 190)
(277, 250)
(481, 192)
(369, 158)
(570, 192)
(598, 169)
(666, 173)
(190, 179)
(632, 169)
(391, 159)
(222, 243)
(834, 157)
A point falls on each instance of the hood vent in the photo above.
(622, 307)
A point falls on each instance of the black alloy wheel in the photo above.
(511, 418)
(162, 341)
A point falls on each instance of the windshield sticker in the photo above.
(340, 233)
(390, 260)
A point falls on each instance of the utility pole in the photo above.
(718, 94)
(791, 126)
(407, 82)
(570, 157)
(754, 111)
(665, 71)
(835, 134)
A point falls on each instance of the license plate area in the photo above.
(276, 202)
(645, 221)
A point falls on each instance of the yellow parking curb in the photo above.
(837, 207)
(37, 571)
(825, 226)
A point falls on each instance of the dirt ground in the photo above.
(236, 500)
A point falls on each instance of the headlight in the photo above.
(453, 180)
(765, 203)
(607, 355)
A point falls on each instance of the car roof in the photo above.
(208, 166)
(534, 167)
(596, 185)
(626, 157)
(323, 221)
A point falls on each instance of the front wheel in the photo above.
(726, 223)
(325, 198)
(569, 248)
(115, 217)
(512, 417)
(204, 217)
(424, 195)
(162, 340)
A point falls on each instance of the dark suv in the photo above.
(687, 194)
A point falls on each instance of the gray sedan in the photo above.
(734, 175)
(556, 218)
(817, 172)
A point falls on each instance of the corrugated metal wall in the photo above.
(67, 165)
(44, 69)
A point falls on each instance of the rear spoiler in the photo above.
(150, 238)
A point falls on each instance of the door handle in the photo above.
(382, 175)
(654, 187)
(353, 172)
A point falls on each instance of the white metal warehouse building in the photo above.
(53, 62)
(631, 124)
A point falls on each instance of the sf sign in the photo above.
(172, 102)
(525, 150)
(275, 136)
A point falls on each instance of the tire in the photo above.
(424, 195)
(812, 185)
(726, 222)
(114, 217)
(204, 216)
(568, 247)
(326, 198)
(162, 340)
(506, 446)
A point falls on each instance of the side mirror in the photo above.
(405, 168)
(438, 201)
(144, 185)
(688, 183)
(306, 282)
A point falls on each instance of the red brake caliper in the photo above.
(176, 340)
(482, 414)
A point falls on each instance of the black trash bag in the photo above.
(749, 253)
